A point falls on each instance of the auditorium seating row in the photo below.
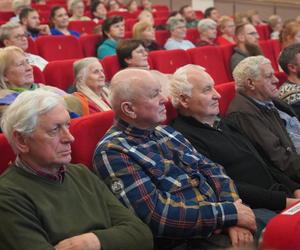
(216, 60)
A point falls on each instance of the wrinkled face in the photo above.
(95, 78)
(149, 34)
(179, 31)
(203, 104)
(139, 58)
(33, 20)
(210, 33)
(78, 9)
(189, 13)
(17, 38)
(61, 18)
(49, 145)
(19, 72)
(101, 10)
(264, 88)
(250, 34)
(149, 103)
(229, 28)
(117, 31)
(215, 15)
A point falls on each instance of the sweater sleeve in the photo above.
(127, 232)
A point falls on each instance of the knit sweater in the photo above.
(37, 213)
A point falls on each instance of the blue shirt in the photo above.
(107, 48)
(56, 32)
(158, 174)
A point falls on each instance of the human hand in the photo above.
(246, 217)
(297, 193)
(291, 201)
(88, 241)
(44, 29)
(239, 236)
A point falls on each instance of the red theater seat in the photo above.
(161, 37)
(59, 74)
(264, 31)
(7, 154)
(89, 44)
(32, 49)
(59, 47)
(111, 66)
(83, 26)
(192, 35)
(267, 49)
(38, 75)
(6, 15)
(88, 130)
(168, 61)
(211, 58)
(227, 92)
(227, 52)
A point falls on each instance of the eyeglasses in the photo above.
(20, 36)
(254, 33)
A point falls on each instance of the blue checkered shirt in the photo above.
(158, 174)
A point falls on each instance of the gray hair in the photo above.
(174, 21)
(249, 68)
(80, 67)
(5, 30)
(23, 114)
(205, 24)
(179, 84)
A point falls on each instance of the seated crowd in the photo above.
(200, 182)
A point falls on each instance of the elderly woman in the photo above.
(208, 32)
(145, 31)
(76, 9)
(60, 20)
(16, 76)
(113, 30)
(90, 85)
(227, 28)
(132, 53)
(177, 28)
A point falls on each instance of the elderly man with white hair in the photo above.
(197, 103)
(207, 29)
(270, 124)
(157, 173)
(48, 203)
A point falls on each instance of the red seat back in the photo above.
(227, 52)
(38, 75)
(59, 74)
(32, 49)
(192, 35)
(267, 49)
(227, 92)
(276, 48)
(89, 44)
(59, 47)
(161, 37)
(6, 15)
(111, 66)
(7, 154)
(88, 130)
(168, 61)
(264, 31)
(82, 26)
(211, 58)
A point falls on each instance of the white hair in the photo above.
(249, 68)
(205, 24)
(23, 114)
(179, 84)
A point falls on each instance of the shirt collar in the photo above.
(133, 131)
(58, 176)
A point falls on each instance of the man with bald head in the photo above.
(197, 103)
(157, 173)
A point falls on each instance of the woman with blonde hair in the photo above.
(90, 85)
(290, 34)
(145, 31)
(227, 28)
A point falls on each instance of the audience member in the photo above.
(30, 20)
(132, 6)
(16, 76)
(197, 103)
(17, 6)
(76, 10)
(60, 21)
(212, 13)
(48, 203)
(275, 23)
(177, 28)
(247, 44)
(289, 91)
(240, 18)
(254, 18)
(157, 173)
(98, 11)
(189, 15)
(90, 85)
(207, 29)
(146, 16)
(133, 54)
(113, 30)
(270, 124)
(13, 34)
(145, 31)
(115, 6)
(227, 29)
(147, 5)
(290, 34)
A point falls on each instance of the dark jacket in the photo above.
(267, 132)
(257, 185)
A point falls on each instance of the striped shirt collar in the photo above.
(57, 177)
(134, 131)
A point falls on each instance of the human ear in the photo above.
(20, 142)
(184, 100)
(128, 109)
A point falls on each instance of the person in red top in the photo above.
(227, 28)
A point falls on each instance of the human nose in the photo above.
(275, 80)
(66, 135)
(216, 94)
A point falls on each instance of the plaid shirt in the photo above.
(157, 173)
